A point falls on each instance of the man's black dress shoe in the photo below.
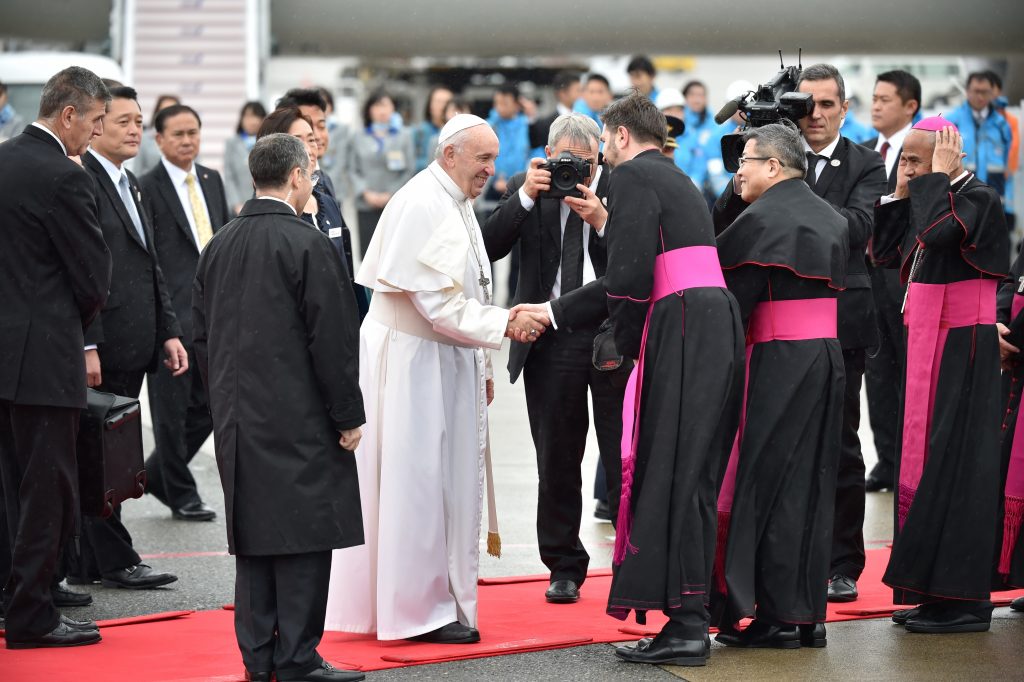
(562, 592)
(79, 624)
(903, 615)
(952, 617)
(328, 673)
(761, 635)
(602, 511)
(61, 636)
(139, 577)
(452, 633)
(64, 598)
(251, 676)
(812, 635)
(1017, 604)
(881, 478)
(842, 588)
(196, 511)
(667, 650)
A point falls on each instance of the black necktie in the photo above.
(572, 253)
(812, 164)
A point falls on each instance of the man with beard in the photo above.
(946, 232)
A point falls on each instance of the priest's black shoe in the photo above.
(666, 650)
(901, 616)
(65, 598)
(952, 618)
(602, 511)
(328, 673)
(761, 635)
(1017, 604)
(251, 676)
(812, 635)
(881, 478)
(79, 624)
(842, 588)
(452, 633)
(562, 592)
(139, 577)
(196, 511)
(61, 636)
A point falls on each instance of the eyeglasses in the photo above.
(744, 159)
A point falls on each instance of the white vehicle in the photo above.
(25, 74)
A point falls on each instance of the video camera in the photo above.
(567, 170)
(770, 103)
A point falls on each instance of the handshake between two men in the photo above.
(527, 321)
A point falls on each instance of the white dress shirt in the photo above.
(563, 210)
(823, 156)
(895, 145)
(51, 134)
(178, 177)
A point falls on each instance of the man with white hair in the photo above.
(426, 383)
(562, 242)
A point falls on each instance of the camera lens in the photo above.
(565, 178)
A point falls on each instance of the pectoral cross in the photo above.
(484, 282)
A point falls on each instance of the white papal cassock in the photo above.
(422, 370)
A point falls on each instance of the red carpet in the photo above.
(188, 647)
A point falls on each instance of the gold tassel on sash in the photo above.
(493, 537)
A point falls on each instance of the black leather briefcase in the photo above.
(110, 463)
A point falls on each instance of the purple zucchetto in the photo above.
(934, 124)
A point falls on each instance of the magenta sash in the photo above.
(931, 311)
(1013, 493)
(675, 271)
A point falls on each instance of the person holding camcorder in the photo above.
(556, 212)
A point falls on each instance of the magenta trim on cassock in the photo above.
(675, 271)
(1013, 493)
(931, 311)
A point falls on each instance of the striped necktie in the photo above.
(203, 229)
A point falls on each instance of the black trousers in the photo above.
(181, 424)
(848, 529)
(280, 608)
(39, 471)
(690, 620)
(884, 370)
(106, 545)
(368, 219)
(558, 372)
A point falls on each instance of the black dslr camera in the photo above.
(772, 102)
(567, 170)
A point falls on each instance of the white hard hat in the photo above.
(669, 97)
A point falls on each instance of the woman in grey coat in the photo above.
(381, 160)
(237, 179)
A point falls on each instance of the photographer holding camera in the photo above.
(555, 211)
(851, 179)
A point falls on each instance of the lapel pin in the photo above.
(604, 201)
(835, 162)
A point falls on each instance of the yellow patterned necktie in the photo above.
(203, 229)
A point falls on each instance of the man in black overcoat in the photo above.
(851, 179)
(562, 247)
(54, 274)
(276, 333)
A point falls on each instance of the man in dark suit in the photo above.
(54, 274)
(894, 105)
(851, 179)
(567, 90)
(187, 204)
(562, 249)
(125, 341)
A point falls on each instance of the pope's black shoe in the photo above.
(1017, 604)
(196, 511)
(667, 650)
(79, 624)
(881, 478)
(138, 577)
(812, 635)
(952, 617)
(61, 636)
(65, 598)
(328, 673)
(452, 633)
(761, 635)
(562, 592)
(842, 588)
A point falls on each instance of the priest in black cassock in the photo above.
(784, 259)
(276, 338)
(946, 233)
(667, 300)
